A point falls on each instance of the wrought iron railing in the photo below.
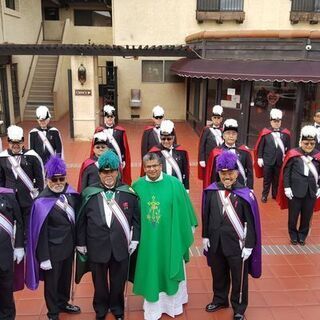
(220, 5)
(305, 6)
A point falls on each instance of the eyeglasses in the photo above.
(15, 142)
(158, 117)
(166, 138)
(99, 147)
(309, 143)
(216, 117)
(106, 171)
(109, 116)
(58, 179)
(153, 166)
(276, 120)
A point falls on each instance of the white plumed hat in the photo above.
(43, 113)
(275, 114)
(217, 110)
(15, 133)
(157, 111)
(230, 124)
(167, 127)
(308, 133)
(109, 110)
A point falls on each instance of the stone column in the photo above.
(85, 97)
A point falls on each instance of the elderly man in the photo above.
(269, 152)
(11, 273)
(174, 158)
(51, 240)
(299, 185)
(230, 136)
(231, 237)
(21, 170)
(45, 140)
(117, 140)
(108, 231)
(89, 173)
(167, 224)
(210, 138)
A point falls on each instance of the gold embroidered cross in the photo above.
(154, 212)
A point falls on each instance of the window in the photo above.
(96, 18)
(51, 13)
(158, 71)
(305, 6)
(220, 5)
(11, 4)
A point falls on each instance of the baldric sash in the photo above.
(114, 143)
(19, 172)
(119, 215)
(6, 225)
(311, 167)
(278, 141)
(173, 163)
(217, 136)
(232, 215)
(65, 206)
(242, 171)
(156, 135)
(46, 142)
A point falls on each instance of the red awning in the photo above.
(296, 71)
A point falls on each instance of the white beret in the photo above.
(15, 133)
(275, 114)
(166, 127)
(308, 132)
(108, 109)
(157, 111)
(43, 113)
(230, 124)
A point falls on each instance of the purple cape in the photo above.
(255, 262)
(39, 212)
(18, 281)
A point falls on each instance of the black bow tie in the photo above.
(276, 130)
(109, 127)
(230, 148)
(45, 129)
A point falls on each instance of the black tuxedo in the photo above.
(108, 249)
(118, 136)
(10, 209)
(181, 157)
(53, 136)
(90, 175)
(225, 252)
(304, 190)
(207, 143)
(56, 243)
(318, 136)
(272, 161)
(246, 161)
(149, 140)
(32, 164)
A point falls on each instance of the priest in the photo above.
(167, 225)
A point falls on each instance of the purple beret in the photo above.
(227, 160)
(55, 167)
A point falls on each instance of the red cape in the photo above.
(85, 164)
(179, 148)
(210, 163)
(126, 172)
(259, 171)
(282, 200)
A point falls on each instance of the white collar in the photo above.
(159, 179)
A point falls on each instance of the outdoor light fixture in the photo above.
(82, 74)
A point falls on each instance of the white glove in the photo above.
(202, 164)
(318, 193)
(193, 229)
(18, 254)
(123, 164)
(82, 249)
(288, 192)
(188, 191)
(46, 265)
(205, 244)
(246, 253)
(133, 246)
(260, 162)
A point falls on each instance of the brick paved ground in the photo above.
(288, 289)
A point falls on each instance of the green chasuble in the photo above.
(167, 217)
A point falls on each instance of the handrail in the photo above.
(31, 64)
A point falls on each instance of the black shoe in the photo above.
(294, 242)
(263, 199)
(100, 317)
(70, 308)
(274, 197)
(302, 242)
(211, 307)
(238, 316)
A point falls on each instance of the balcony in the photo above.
(305, 11)
(220, 10)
